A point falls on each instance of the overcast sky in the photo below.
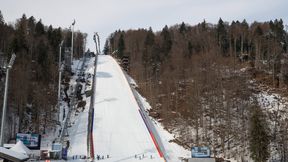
(106, 16)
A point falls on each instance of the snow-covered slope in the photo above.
(119, 130)
(79, 129)
(173, 152)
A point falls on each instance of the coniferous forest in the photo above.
(33, 81)
(203, 82)
(206, 83)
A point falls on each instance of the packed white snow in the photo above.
(21, 148)
(174, 151)
(12, 153)
(119, 132)
(79, 129)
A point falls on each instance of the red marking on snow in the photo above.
(156, 145)
(151, 135)
(92, 146)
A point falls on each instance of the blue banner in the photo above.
(32, 141)
(64, 153)
(200, 152)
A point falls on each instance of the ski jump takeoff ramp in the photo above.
(119, 132)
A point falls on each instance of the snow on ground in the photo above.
(21, 148)
(12, 153)
(174, 151)
(78, 135)
(118, 129)
(271, 101)
(76, 160)
(274, 104)
(79, 121)
(131, 81)
(276, 108)
(78, 130)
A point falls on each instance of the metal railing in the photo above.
(72, 102)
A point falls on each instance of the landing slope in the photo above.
(119, 130)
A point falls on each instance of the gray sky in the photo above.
(106, 16)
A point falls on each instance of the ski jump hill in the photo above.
(120, 133)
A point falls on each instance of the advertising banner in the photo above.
(200, 152)
(64, 153)
(32, 141)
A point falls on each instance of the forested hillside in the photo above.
(202, 82)
(34, 77)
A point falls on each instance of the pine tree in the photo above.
(1, 34)
(50, 33)
(42, 54)
(190, 49)
(1, 18)
(222, 36)
(204, 25)
(167, 40)
(244, 24)
(31, 25)
(150, 38)
(258, 136)
(20, 40)
(106, 48)
(55, 39)
(121, 46)
(182, 28)
(39, 29)
(258, 31)
(278, 29)
(148, 45)
(220, 29)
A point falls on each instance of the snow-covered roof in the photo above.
(9, 145)
(12, 155)
(21, 148)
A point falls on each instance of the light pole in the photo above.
(60, 73)
(8, 67)
(99, 51)
(72, 41)
(84, 49)
(95, 40)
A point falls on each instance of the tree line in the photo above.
(34, 77)
(200, 80)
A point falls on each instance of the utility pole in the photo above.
(72, 28)
(8, 67)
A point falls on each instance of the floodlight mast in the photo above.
(72, 40)
(99, 51)
(95, 40)
(9, 66)
(60, 73)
